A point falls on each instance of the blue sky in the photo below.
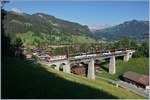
(86, 12)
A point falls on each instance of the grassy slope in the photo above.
(139, 65)
(32, 38)
(23, 79)
(82, 39)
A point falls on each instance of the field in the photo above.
(33, 39)
(139, 65)
(25, 79)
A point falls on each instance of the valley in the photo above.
(61, 50)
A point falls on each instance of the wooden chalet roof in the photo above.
(136, 77)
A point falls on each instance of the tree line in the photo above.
(142, 49)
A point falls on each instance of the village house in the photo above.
(137, 79)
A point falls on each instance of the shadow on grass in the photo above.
(119, 58)
(25, 79)
(104, 67)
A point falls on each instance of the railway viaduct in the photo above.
(65, 64)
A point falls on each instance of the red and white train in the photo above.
(54, 58)
(82, 55)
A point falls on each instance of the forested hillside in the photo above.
(134, 29)
(41, 28)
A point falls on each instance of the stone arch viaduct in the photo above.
(65, 64)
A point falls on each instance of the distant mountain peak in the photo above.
(17, 11)
(98, 26)
(94, 27)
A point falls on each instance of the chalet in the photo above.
(137, 79)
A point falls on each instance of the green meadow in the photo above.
(139, 65)
(27, 79)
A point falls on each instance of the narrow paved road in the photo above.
(128, 86)
(133, 88)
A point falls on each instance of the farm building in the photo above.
(82, 71)
(137, 79)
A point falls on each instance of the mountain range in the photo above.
(42, 28)
(43, 23)
(134, 29)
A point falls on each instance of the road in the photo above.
(128, 86)
(133, 88)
